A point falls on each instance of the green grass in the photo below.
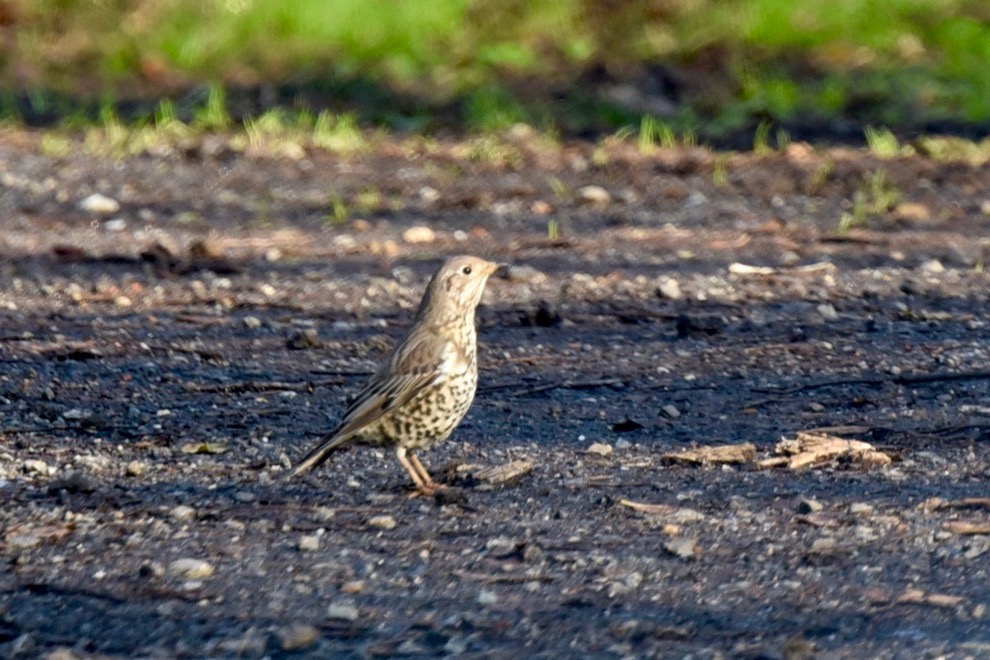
(499, 63)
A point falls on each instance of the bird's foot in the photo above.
(427, 489)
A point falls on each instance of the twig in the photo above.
(569, 385)
(502, 579)
(261, 386)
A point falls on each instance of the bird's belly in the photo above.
(427, 419)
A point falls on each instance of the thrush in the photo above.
(424, 388)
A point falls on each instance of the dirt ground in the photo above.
(170, 347)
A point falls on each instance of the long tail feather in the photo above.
(318, 456)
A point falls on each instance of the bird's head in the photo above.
(457, 286)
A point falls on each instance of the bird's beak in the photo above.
(495, 267)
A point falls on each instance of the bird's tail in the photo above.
(318, 456)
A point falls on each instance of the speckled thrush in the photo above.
(425, 387)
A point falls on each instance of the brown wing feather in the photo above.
(404, 376)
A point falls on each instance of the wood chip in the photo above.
(919, 597)
(964, 528)
(965, 503)
(811, 449)
(204, 448)
(501, 474)
(736, 454)
(643, 507)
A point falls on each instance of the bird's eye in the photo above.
(466, 270)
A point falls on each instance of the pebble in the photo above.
(382, 522)
(814, 406)
(828, 312)
(682, 548)
(670, 411)
(524, 274)
(352, 587)
(190, 568)
(343, 612)
(100, 204)
(933, 267)
(302, 339)
(669, 289)
(297, 636)
(35, 466)
(622, 443)
(252, 322)
(541, 207)
(324, 513)
(136, 469)
(600, 449)
(807, 505)
(594, 195)
(487, 598)
(418, 235)
(861, 509)
(23, 542)
(824, 546)
(182, 513)
(309, 543)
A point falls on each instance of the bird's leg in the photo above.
(414, 459)
(425, 486)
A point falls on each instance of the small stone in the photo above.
(382, 522)
(342, 612)
(324, 513)
(933, 267)
(297, 636)
(600, 449)
(309, 543)
(123, 301)
(182, 513)
(35, 466)
(23, 542)
(352, 587)
(594, 195)
(541, 207)
(828, 312)
(429, 194)
(487, 598)
(622, 443)
(524, 274)
(682, 547)
(807, 505)
(252, 322)
(670, 411)
(814, 406)
(824, 546)
(136, 469)
(861, 509)
(418, 235)
(669, 289)
(303, 339)
(189, 568)
(99, 204)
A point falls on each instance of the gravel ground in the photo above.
(181, 324)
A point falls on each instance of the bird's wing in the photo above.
(402, 378)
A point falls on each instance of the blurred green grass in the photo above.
(734, 63)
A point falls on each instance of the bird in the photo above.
(424, 388)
